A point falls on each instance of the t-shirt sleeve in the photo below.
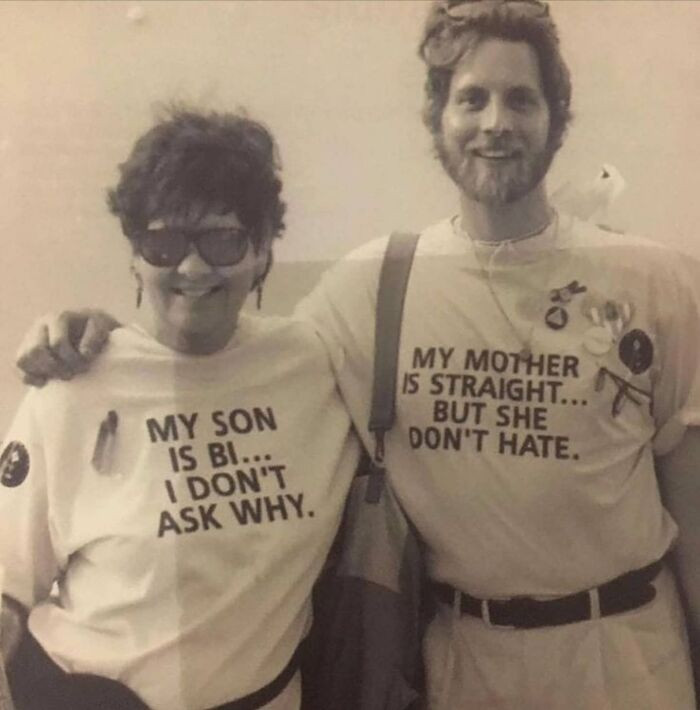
(677, 384)
(341, 306)
(28, 565)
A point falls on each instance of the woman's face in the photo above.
(192, 306)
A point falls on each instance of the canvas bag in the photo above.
(364, 651)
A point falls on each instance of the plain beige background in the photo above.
(340, 85)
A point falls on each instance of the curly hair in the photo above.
(500, 21)
(218, 162)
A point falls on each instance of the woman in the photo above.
(163, 519)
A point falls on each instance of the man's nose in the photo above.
(496, 117)
(193, 264)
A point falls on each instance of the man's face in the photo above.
(495, 124)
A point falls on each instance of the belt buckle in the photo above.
(523, 606)
(486, 617)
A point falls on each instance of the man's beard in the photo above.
(493, 183)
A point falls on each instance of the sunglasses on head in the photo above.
(442, 46)
(466, 9)
(221, 246)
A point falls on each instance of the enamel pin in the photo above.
(104, 444)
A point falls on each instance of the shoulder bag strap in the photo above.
(391, 292)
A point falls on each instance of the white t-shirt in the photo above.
(527, 476)
(185, 540)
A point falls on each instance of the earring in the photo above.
(139, 285)
(260, 280)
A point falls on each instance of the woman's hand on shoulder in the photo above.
(63, 345)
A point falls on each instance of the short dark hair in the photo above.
(499, 21)
(218, 162)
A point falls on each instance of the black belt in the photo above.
(624, 593)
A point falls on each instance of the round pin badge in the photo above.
(556, 318)
(14, 464)
(597, 340)
(636, 351)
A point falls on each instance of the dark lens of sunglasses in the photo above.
(222, 247)
(163, 247)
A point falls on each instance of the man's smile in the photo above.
(495, 154)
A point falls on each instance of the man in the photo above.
(543, 366)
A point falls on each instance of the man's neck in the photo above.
(498, 223)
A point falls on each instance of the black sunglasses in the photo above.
(221, 246)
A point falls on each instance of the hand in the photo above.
(61, 346)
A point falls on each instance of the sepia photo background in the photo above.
(340, 85)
